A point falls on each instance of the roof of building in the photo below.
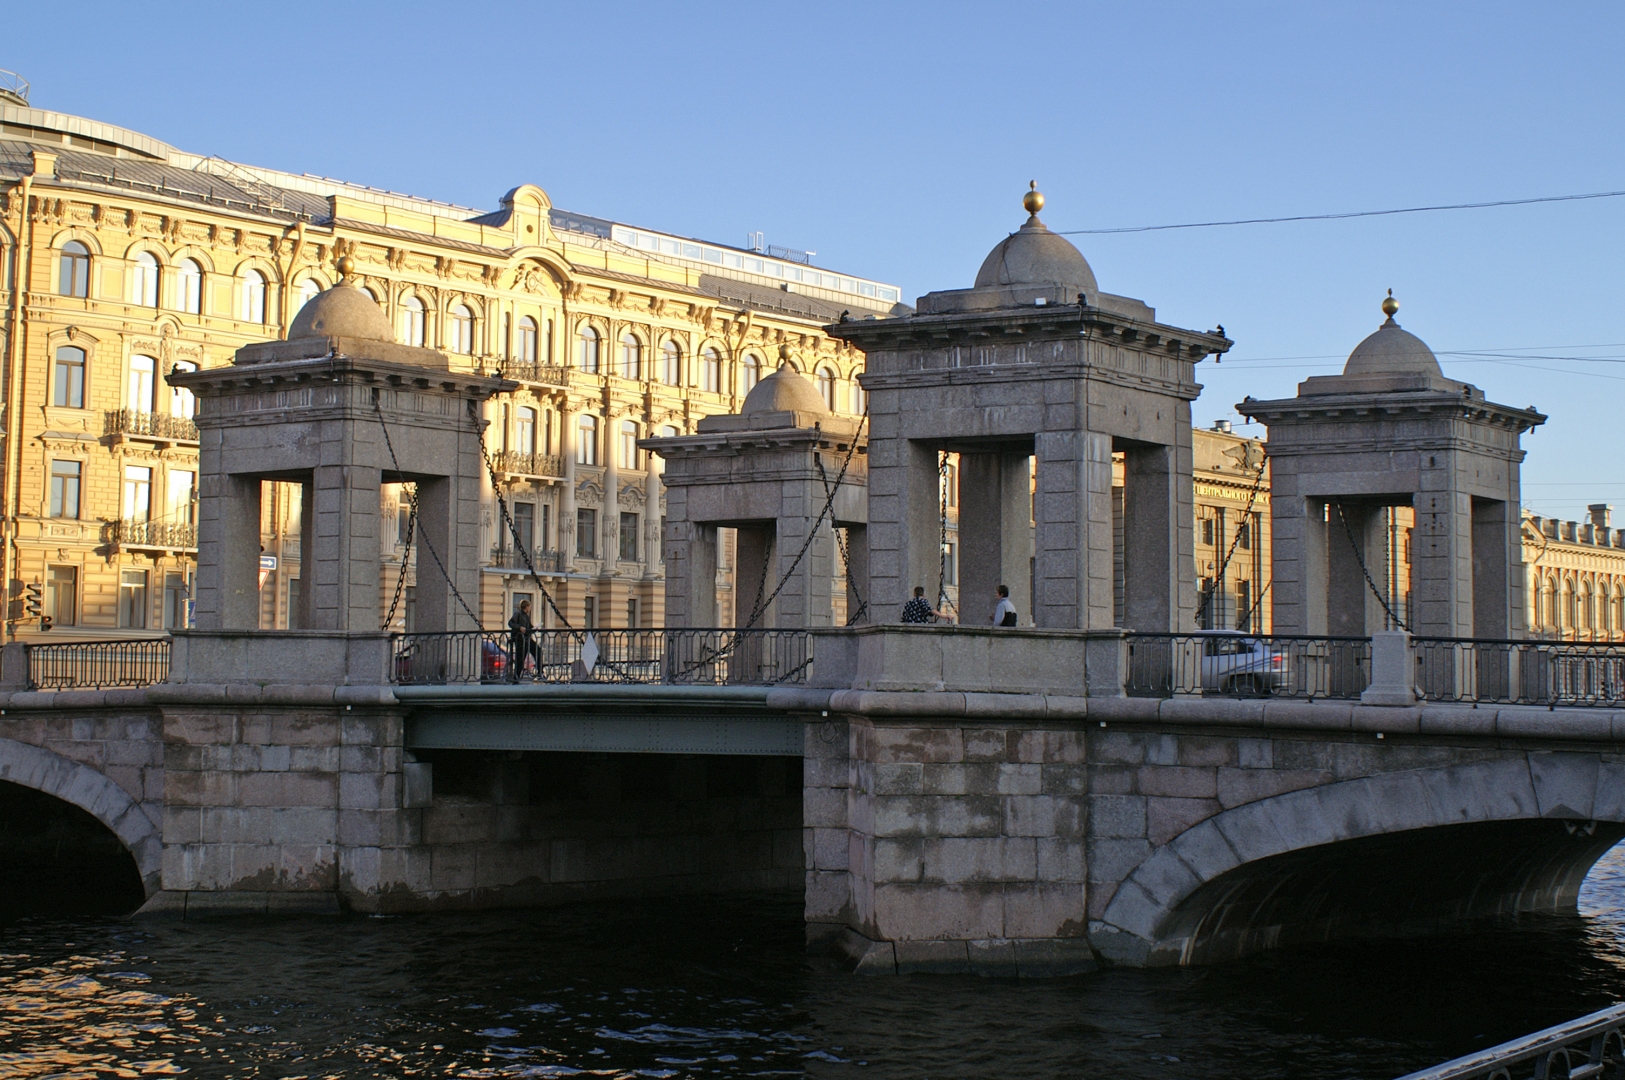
(1392, 351)
(1032, 255)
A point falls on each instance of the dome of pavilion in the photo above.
(342, 311)
(1033, 255)
(1392, 351)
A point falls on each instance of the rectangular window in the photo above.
(524, 525)
(950, 564)
(182, 498)
(142, 371)
(409, 602)
(628, 445)
(589, 612)
(1244, 605)
(65, 488)
(631, 613)
(176, 595)
(629, 537)
(182, 403)
(294, 622)
(1207, 531)
(137, 493)
(68, 379)
(1244, 534)
(544, 541)
(132, 599)
(525, 431)
(62, 595)
(587, 533)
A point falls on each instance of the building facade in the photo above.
(124, 258)
(1576, 576)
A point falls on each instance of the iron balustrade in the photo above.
(545, 562)
(149, 425)
(1228, 663)
(1505, 671)
(1592, 1046)
(512, 461)
(721, 657)
(177, 536)
(65, 665)
(541, 374)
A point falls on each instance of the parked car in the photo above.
(1234, 663)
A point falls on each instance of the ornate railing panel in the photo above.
(545, 562)
(543, 374)
(88, 664)
(1509, 672)
(1591, 1046)
(159, 534)
(512, 461)
(149, 425)
(660, 657)
(1233, 664)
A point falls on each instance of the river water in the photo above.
(706, 988)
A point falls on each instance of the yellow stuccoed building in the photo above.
(124, 258)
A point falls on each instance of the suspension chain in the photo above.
(1359, 558)
(513, 530)
(406, 553)
(841, 542)
(413, 497)
(1246, 519)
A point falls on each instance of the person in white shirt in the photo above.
(1005, 613)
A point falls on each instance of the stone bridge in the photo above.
(967, 800)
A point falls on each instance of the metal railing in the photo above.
(545, 562)
(544, 374)
(1592, 1046)
(1509, 672)
(512, 461)
(1232, 664)
(158, 534)
(90, 664)
(723, 657)
(148, 425)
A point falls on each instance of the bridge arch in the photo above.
(1393, 853)
(91, 791)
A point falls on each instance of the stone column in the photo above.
(904, 514)
(1298, 542)
(228, 596)
(750, 574)
(857, 572)
(1073, 574)
(691, 573)
(344, 565)
(1349, 600)
(1494, 605)
(995, 508)
(1151, 564)
(1441, 560)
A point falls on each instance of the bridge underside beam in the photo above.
(1402, 884)
(604, 732)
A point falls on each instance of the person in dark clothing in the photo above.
(524, 644)
(919, 610)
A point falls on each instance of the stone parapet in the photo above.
(965, 659)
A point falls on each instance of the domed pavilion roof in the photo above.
(1035, 256)
(342, 311)
(786, 390)
(1392, 351)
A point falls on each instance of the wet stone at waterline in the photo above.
(708, 988)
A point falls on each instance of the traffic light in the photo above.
(34, 600)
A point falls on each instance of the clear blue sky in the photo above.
(896, 141)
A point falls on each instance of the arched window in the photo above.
(752, 371)
(631, 357)
(308, 289)
(369, 294)
(181, 401)
(1605, 608)
(525, 430)
(143, 377)
(710, 373)
(1554, 617)
(189, 286)
(74, 278)
(826, 387)
(587, 355)
(587, 440)
(1585, 620)
(667, 431)
(462, 330)
(412, 321)
(253, 308)
(527, 340)
(628, 442)
(144, 280)
(1571, 617)
(671, 364)
(859, 405)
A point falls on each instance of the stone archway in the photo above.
(1164, 912)
(91, 791)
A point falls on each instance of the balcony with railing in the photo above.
(148, 427)
(536, 374)
(515, 463)
(513, 561)
(158, 535)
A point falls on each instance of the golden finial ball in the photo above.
(346, 266)
(1390, 305)
(1034, 199)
